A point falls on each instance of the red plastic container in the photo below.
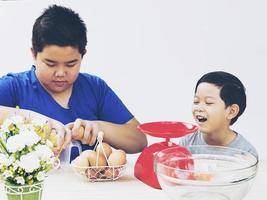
(144, 166)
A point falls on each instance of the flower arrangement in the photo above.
(26, 154)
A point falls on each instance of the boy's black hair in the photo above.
(232, 90)
(59, 26)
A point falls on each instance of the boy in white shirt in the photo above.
(219, 100)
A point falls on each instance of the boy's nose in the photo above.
(60, 72)
(198, 108)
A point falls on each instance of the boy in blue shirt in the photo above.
(55, 87)
(219, 100)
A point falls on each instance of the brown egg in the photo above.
(106, 147)
(112, 172)
(92, 157)
(91, 173)
(117, 157)
(79, 135)
(102, 160)
(108, 173)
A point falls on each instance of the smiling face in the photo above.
(209, 109)
(57, 67)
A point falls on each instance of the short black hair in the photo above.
(61, 26)
(232, 90)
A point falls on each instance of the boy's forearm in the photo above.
(5, 112)
(9, 111)
(124, 136)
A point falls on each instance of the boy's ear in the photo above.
(233, 111)
(84, 53)
(33, 54)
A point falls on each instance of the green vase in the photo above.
(25, 192)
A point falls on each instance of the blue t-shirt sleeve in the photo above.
(7, 91)
(110, 106)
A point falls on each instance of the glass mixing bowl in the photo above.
(209, 173)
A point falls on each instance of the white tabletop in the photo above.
(63, 184)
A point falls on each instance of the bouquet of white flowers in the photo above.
(26, 154)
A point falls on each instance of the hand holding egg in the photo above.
(84, 130)
(79, 134)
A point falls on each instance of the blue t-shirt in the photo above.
(91, 99)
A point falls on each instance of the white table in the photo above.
(63, 184)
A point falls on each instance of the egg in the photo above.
(102, 160)
(112, 172)
(117, 157)
(87, 153)
(91, 173)
(105, 148)
(92, 158)
(108, 173)
(80, 163)
(79, 134)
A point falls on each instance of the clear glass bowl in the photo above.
(209, 173)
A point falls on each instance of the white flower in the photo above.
(17, 120)
(3, 159)
(10, 160)
(7, 174)
(29, 162)
(49, 143)
(15, 143)
(19, 141)
(30, 137)
(40, 176)
(6, 124)
(15, 165)
(43, 152)
(20, 180)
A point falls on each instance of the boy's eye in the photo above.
(51, 64)
(71, 64)
(209, 103)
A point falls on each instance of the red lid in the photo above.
(167, 129)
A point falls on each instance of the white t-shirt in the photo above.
(197, 139)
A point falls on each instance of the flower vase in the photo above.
(24, 192)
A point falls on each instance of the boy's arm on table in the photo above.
(120, 136)
(54, 124)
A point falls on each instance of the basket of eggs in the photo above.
(101, 164)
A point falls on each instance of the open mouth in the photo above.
(200, 118)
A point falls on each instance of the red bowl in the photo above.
(167, 129)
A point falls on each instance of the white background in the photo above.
(152, 52)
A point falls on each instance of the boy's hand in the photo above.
(58, 133)
(84, 130)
